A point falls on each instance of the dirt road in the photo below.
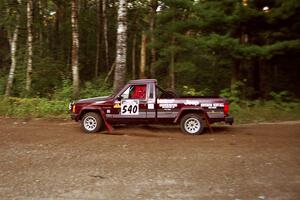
(42, 159)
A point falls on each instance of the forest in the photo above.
(54, 50)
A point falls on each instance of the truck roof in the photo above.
(139, 81)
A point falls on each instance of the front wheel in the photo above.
(91, 122)
(192, 124)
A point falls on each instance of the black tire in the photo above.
(91, 122)
(192, 124)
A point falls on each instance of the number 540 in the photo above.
(130, 109)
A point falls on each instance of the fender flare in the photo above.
(192, 108)
(98, 110)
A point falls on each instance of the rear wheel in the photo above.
(192, 124)
(91, 122)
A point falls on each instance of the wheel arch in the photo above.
(189, 110)
(90, 109)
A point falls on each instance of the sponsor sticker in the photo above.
(191, 102)
(168, 105)
(117, 105)
(150, 106)
(165, 100)
(212, 105)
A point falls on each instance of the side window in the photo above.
(135, 92)
(125, 94)
(151, 94)
(138, 92)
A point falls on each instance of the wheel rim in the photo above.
(192, 125)
(90, 123)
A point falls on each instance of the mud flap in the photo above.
(108, 126)
(207, 123)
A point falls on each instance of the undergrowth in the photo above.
(279, 107)
(33, 107)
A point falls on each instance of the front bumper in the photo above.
(229, 120)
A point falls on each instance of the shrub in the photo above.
(33, 107)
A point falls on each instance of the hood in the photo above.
(94, 99)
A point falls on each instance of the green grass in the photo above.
(244, 112)
(265, 111)
(33, 107)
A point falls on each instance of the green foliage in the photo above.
(3, 80)
(33, 107)
(93, 89)
(234, 93)
(56, 106)
(280, 97)
(189, 91)
(64, 92)
(89, 89)
(262, 111)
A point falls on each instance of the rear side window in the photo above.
(151, 95)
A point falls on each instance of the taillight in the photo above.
(226, 108)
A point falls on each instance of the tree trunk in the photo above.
(110, 72)
(13, 39)
(121, 47)
(75, 48)
(236, 68)
(154, 5)
(29, 43)
(105, 31)
(263, 78)
(99, 36)
(255, 79)
(41, 24)
(56, 36)
(172, 67)
(143, 55)
(235, 74)
(133, 56)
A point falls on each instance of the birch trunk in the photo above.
(13, 39)
(121, 47)
(133, 58)
(154, 5)
(29, 45)
(143, 55)
(75, 47)
(105, 31)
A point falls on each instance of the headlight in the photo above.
(70, 106)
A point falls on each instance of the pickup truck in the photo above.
(144, 102)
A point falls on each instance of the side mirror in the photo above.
(119, 98)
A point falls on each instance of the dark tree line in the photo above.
(205, 45)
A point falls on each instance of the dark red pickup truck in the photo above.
(144, 102)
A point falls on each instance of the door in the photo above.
(166, 107)
(132, 105)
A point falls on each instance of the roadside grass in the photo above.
(243, 112)
(33, 107)
(264, 111)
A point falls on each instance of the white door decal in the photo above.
(130, 107)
